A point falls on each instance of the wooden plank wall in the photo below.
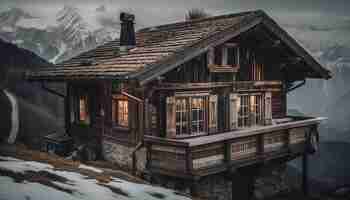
(278, 105)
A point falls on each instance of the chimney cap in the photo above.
(125, 17)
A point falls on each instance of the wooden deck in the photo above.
(205, 155)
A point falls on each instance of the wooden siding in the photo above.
(102, 126)
(278, 105)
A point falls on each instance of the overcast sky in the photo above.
(173, 9)
(315, 21)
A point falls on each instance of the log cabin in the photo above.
(191, 99)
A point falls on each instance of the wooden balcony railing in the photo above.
(216, 153)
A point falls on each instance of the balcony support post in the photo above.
(243, 182)
(195, 187)
(305, 174)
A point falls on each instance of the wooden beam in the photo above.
(52, 91)
(305, 183)
(67, 108)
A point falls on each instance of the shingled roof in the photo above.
(159, 49)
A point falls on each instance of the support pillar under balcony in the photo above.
(243, 182)
(305, 180)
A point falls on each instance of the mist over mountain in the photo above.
(60, 37)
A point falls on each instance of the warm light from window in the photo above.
(83, 108)
(123, 112)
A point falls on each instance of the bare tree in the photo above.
(196, 13)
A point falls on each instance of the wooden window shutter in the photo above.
(213, 113)
(73, 107)
(268, 109)
(211, 56)
(224, 55)
(132, 114)
(170, 117)
(235, 102)
(218, 55)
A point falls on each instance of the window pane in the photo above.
(181, 116)
(83, 108)
(197, 115)
(231, 56)
(123, 113)
(243, 114)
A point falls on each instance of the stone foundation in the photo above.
(121, 155)
(269, 181)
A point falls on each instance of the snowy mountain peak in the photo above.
(74, 28)
(10, 17)
(67, 33)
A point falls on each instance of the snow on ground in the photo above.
(14, 184)
(81, 166)
(6, 158)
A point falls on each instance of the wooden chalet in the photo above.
(196, 97)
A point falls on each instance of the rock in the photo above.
(7, 149)
(342, 191)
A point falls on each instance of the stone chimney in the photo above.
(127, 32)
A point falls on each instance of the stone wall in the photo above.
(269, 181)
(121, 155)
(213, 187)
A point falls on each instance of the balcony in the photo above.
(201, 156)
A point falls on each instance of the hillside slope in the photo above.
(39, 111)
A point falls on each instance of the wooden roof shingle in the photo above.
(158, 49)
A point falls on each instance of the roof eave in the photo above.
(64, 78)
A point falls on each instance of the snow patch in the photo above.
(22, 167)
(9, 158)
(81, 186)
(18, 41)
(12, 190)
(40, 47)
(61, 51)
(14, 117)
(81, 166)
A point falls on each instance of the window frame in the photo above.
(256, 71)
(205, 105)
(243, 114)
(201, 119)
(257, 115)
(246, 120)
(183, 113)
(225, 56)
(85, 98)
(115, 112)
